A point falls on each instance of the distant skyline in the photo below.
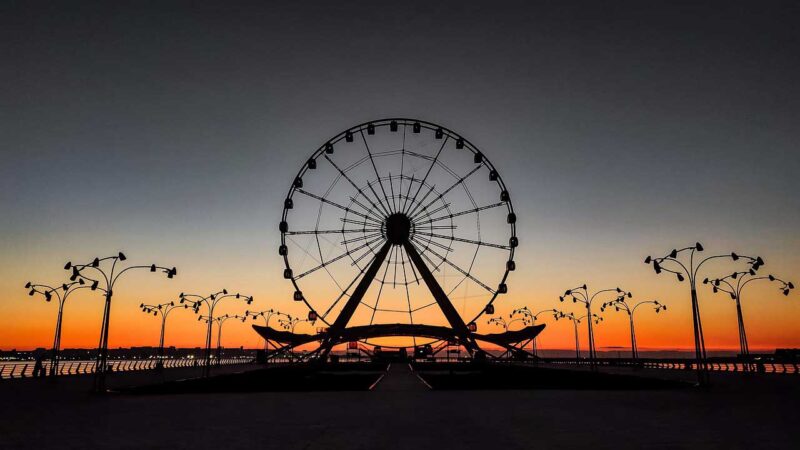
(172, 131)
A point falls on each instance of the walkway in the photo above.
(400, 377)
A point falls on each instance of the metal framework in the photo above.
(388, 220)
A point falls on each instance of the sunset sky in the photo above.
(173, 134)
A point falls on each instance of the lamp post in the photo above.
(266, 315)
(581, 294)
(290, 323)
(163, 309)
(525, 312)
(109, 277)
(690, 268)
(575, 322)
(61, 293)
(733, 285)
(506, 324)
(621, 305)
(210, 301)
(221, 320)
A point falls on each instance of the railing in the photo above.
(24, 369)
(775, 366)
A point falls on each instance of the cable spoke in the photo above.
(331, 261)
(446, 191)
(332, 203)
(361, 238)
(463, 272)
(461, 213)
(342, 172)
(425, 178)
(343, 231)
(433, 211)
(468, 241)
(380, 288)
(374, 167)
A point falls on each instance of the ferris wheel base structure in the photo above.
(506, 340)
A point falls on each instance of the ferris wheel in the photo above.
(398, 221)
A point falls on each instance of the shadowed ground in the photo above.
(739, 412)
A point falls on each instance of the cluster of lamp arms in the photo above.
(684, 263)
(102, 274)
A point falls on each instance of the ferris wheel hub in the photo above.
(398, 228)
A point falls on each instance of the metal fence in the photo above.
(713, 364)
(24, 369)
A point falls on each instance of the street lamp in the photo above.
(266, 315)
(163, 309)
(575, 322)
(290, 323)
(220, 320)
(690, 268)
(109, 277)
(581, 294)
(621, 305)
(524, 311)
(506, 324)
(210, 301)
(734, 289)
(61, 293)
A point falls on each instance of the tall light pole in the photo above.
(575, 322)
(689, 268)
(221, 320)
(266, 315)
(526, 312)
(210, 301)
(621, 305)
(163, 309)
(61, 293)
(109, 277)
(581, 294)
(505, 324)
(290, 323)
(733, 285)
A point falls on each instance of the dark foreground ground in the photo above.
(402, 412)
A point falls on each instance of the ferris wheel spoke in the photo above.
(433, 211)
(342, 231)
(380, 202)
(424, 253)
(368, 210)
(408, 192)
(361, 238)
(358, 189)
(446, 191)
(463, 272)
(369, 251)
(380, 288)
(428, 172)
(331, 261)
(429, 241)
(468, 241)
(332, 203)
(461, 213)
(374, 167)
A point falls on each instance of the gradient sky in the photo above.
(172, 131)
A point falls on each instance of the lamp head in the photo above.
(152, 267)
(121, 256)
(96, 262)
(698, 247)
(648, 260)
(28, 285)
(673, 253)
(68, 265)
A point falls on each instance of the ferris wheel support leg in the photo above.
(450, 313)
(335, 331)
